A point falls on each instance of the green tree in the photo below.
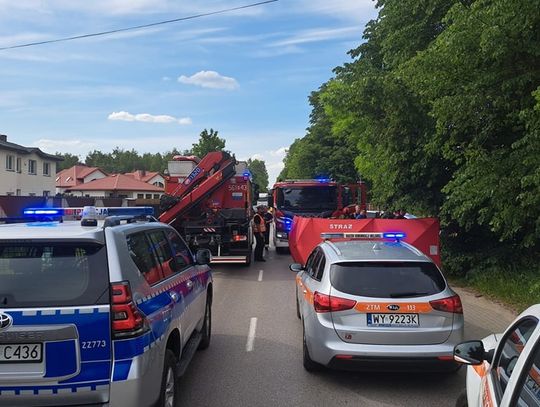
(69, 160)
(259, 173)
(208, 141)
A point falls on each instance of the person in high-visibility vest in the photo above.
(259, 227)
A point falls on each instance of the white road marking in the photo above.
(260, 275)
(251, 334)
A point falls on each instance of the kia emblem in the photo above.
(5, 321)
(393, 307)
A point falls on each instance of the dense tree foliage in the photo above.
(439, 110)
(259, 173)
(208, 141)
(121, 161)
(69, 160)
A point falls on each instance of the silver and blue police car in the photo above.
(372, 304)
(100, 313)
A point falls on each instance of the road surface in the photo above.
(255, 357)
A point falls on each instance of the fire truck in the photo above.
(209, 201)
(319, 198)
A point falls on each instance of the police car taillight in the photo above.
(449, 304)
(127, 320)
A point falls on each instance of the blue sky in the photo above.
(247, 74)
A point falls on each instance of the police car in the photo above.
(504, 370)
(100, 313)
(369, 303)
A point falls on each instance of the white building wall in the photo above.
(157, 178)
(95, 175)
(107, 194)
(13, 182)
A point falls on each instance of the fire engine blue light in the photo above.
(43, 212)
(394, 235)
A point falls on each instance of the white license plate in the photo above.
(24, 352)
(392, 320)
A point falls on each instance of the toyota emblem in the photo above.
(5, 321)
(393, 307)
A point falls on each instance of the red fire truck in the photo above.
(209, 202)
(319, 198)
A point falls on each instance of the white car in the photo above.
(504, 369)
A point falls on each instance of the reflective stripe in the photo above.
(259, 227)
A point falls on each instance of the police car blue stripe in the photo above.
(91, 371)
(74, 388)
(121, 370)
(63, 351)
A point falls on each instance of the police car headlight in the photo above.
(282, 235)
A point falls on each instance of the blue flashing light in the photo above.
(43, 212)
(394, 235)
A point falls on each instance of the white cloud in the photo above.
(148, 118)
(64, 146)
(257, 157)
(319, 35)
(165, 79)
(280, 152)
(356, 10)
(210, 79)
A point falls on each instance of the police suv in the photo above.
(100, 313)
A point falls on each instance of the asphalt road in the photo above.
(255, 357)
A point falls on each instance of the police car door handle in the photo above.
(174, 296)
(189, 285)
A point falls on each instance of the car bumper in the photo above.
(327, 348)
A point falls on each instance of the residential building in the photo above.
(26, 171)
(77, 175)
(117, 186)
(150, 177)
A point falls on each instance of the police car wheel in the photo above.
(462, 399)
(309, 364)
(207, 326)
(169, 387)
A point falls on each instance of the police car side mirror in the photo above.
(203, 256)
(296, 267)
(470, 353)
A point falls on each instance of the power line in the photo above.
(138, 27)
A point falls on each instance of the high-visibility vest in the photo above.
(261, 227)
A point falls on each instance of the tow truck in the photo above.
(209, 202)
(314, 198)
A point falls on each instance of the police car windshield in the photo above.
(52, 274)
(387, 279)
(315, 198)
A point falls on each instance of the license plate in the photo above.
(392, 319)
(20, 353)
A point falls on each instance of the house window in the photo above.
(19, 164)
(148, 196)
(32, 167)
(140, 196)
(47, 169)
(156, 196)
(18, 193)
(10, 163)
(9, 193)
(159, 184)
(46, 193)
(32, 194)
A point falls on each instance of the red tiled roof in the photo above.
(73, 176)
(144, 176)
(116, 182)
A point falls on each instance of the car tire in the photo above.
(281, 250)
(298, 307)
(169, 387)
(462, 399)
(309, 364)
(206, 329)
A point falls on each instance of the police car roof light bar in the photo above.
(364, 235)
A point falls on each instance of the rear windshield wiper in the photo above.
(407, 294)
